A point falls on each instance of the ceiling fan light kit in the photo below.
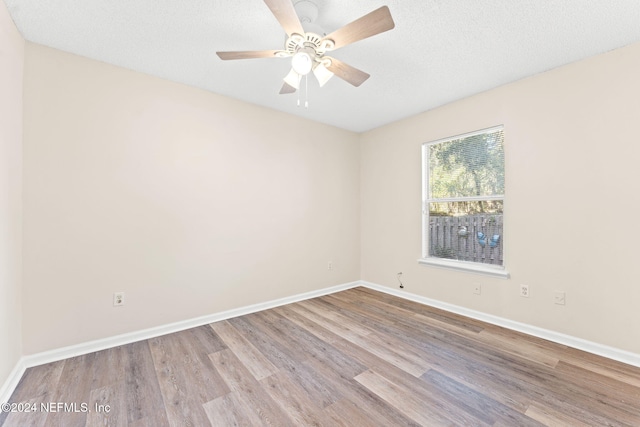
(322, 73)
(293, 79)
(307, 44)
(303, 60)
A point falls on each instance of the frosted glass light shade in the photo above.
(293, 79)
(322, 74)
(302, 63)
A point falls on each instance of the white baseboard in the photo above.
(102, 344)
(89, 347)
(12, 381)
(114, 341)
(557, 337)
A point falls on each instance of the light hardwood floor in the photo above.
(354, 358)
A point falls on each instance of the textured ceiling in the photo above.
(439, 51)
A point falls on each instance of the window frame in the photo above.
(468, 266)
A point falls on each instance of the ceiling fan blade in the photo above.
(248, 54)
(346, 72)
(286, 15)
(373, 23)
(287, 88)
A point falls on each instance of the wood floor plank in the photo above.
(588, 401)
(487, 381)
(407, 328)
(318, 306)
(552, 418)
(142, 389)
(24, 418)
(511, 344)
(464, 399)
(349, 389)
(293, 400)
(613, 392)
(415, 336)
(35, 387)
(347, 413)
(360, 403)
(289, 334)
(353, 358)
(112, 363)
(38, 381)
(248, 389)
(455, 356)
(186, 378)
(231, 410)
(356, 408)
(414, 406)
(458, 353)
(259, 366)
(344, 329)
(280, 353)
(150, 421)
(304, 322)
(397, 353)
(389, 305)
(365, 353)
(603, 366)
(77, 374)
(204, 339)
(520, 344)
(107, 407)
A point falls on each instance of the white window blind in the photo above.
(463, 198)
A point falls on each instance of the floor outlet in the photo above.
(524, 291)
(118, 299)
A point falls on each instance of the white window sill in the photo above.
(470, 267)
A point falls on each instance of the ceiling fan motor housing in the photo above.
(314, 41)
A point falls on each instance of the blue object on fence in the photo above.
(494, 241)
(482, 239)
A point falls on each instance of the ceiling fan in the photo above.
(308, 49)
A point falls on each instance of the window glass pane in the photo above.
(466, 208)
(467, 167)
(466, 231)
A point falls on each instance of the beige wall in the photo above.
(572, 200)
(189, 202)
(11, 60)
(192, 203)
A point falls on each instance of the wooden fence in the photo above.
(457, 238)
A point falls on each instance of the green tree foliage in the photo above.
(467, 167)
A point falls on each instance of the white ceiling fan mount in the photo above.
(307, 11)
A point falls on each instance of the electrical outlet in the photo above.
(524, 291)
(477, 288)
(330, 265)
(559, 298)
(118, 299)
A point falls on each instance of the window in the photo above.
(463, 197)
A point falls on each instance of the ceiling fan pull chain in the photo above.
(306, 91)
